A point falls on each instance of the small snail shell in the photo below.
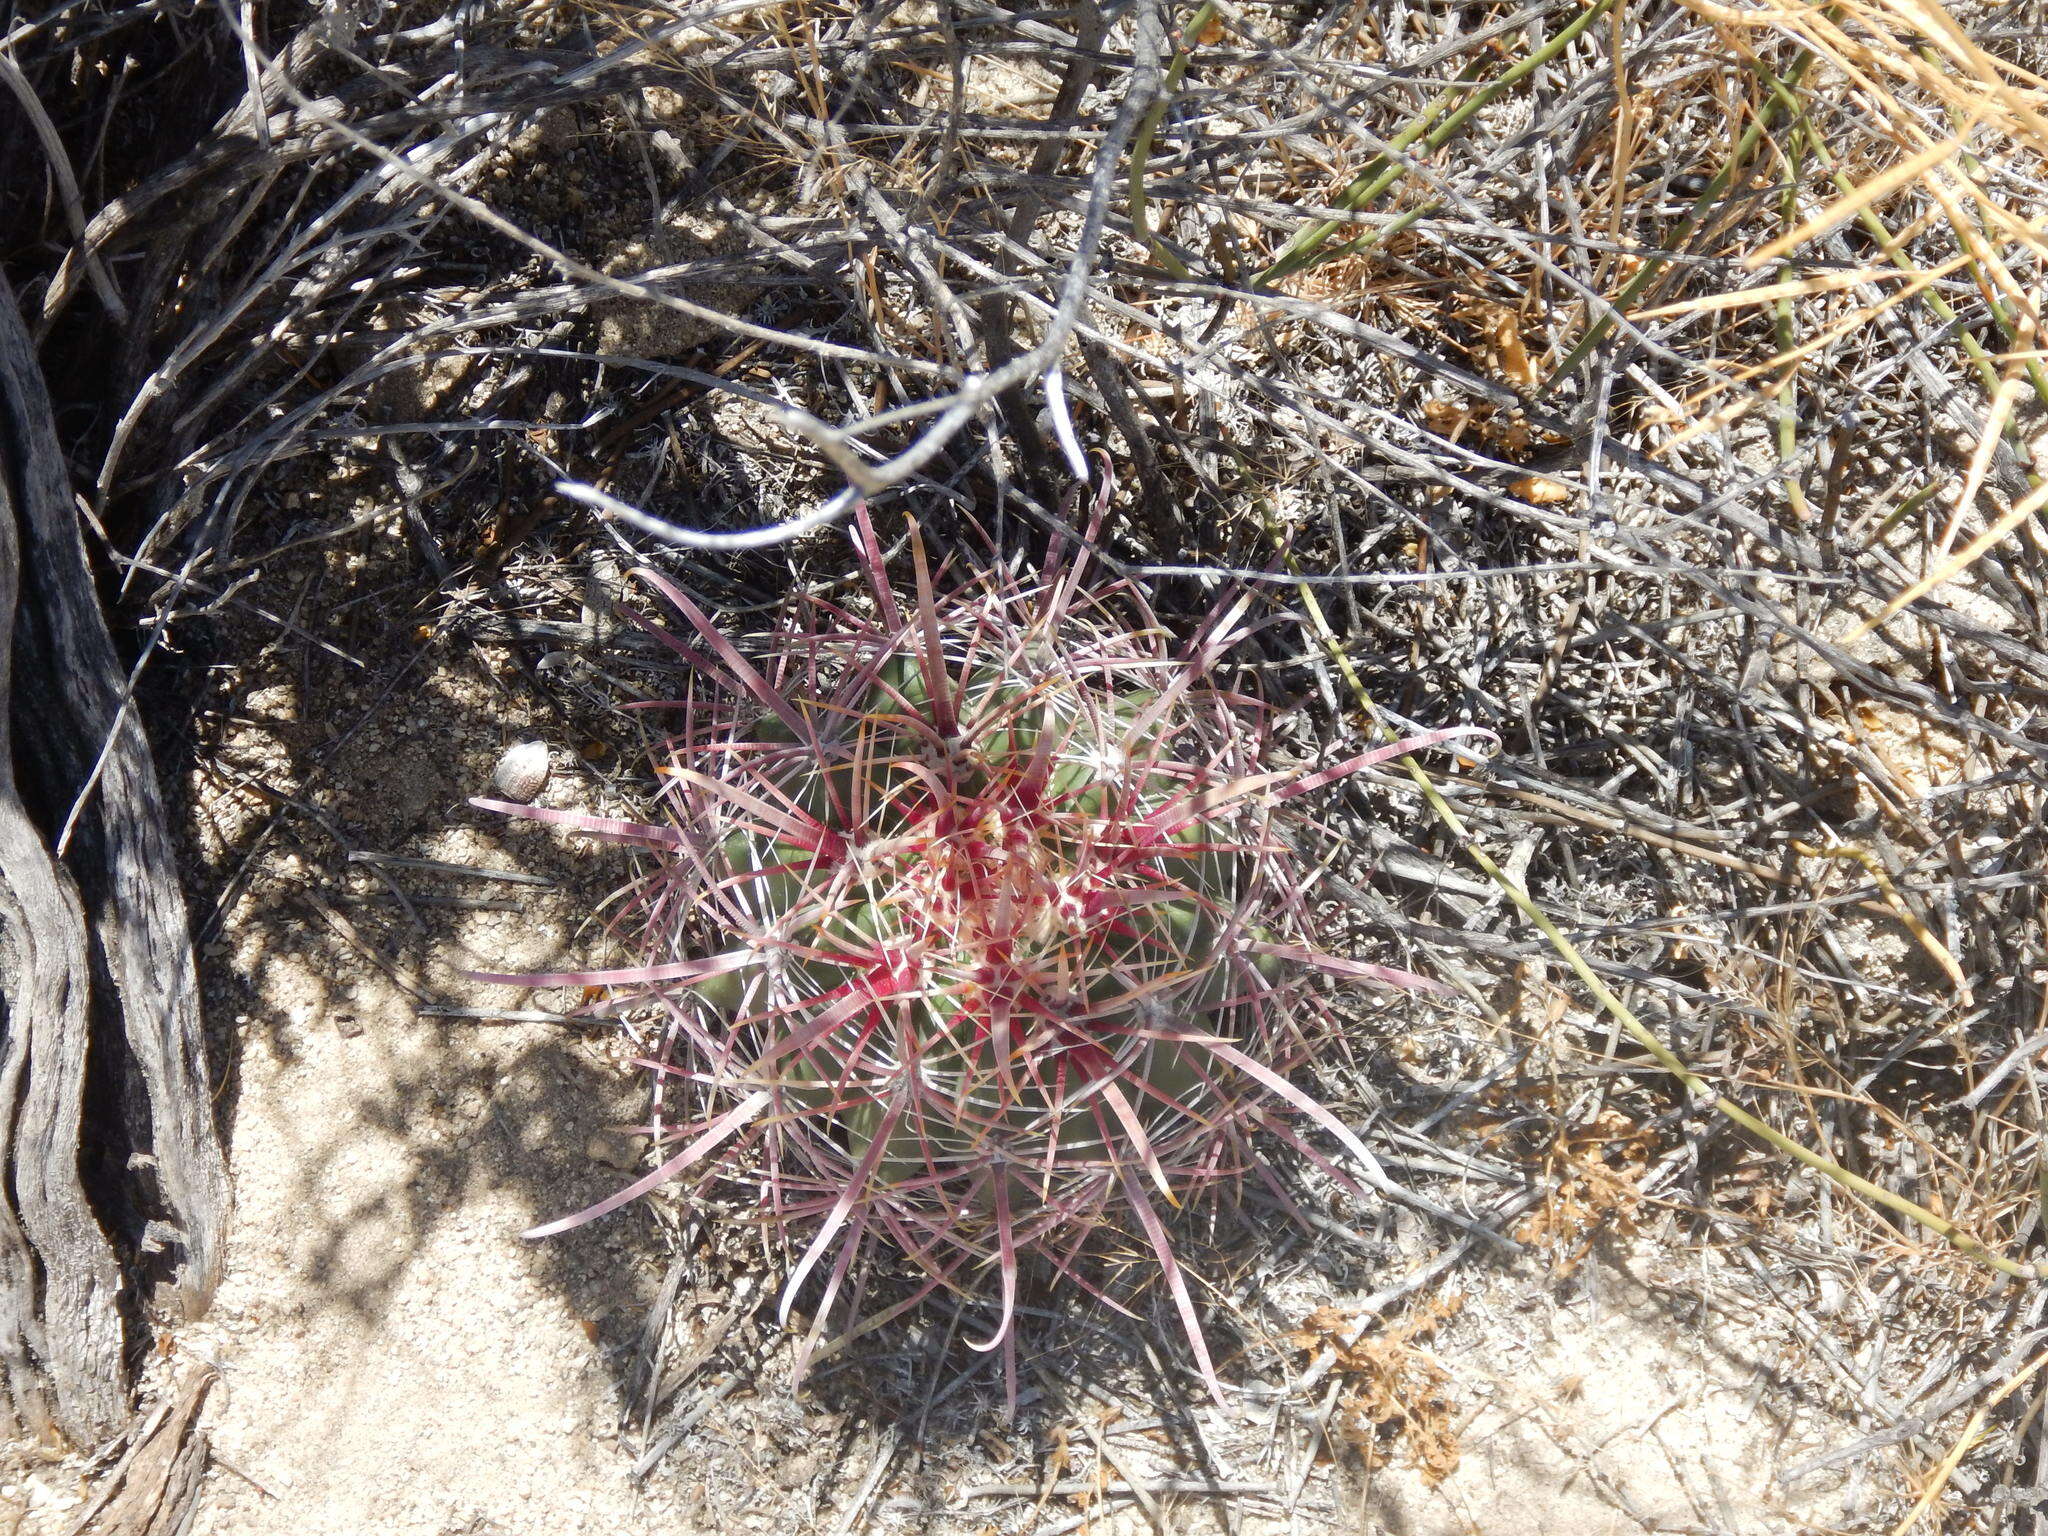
(522, 771)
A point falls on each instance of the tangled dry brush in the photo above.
(1653, 385)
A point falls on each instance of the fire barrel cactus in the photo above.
(972, 925)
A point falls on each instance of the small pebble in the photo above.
(522, 771)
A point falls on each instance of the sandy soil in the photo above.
(394, 1358)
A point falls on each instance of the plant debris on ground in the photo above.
(1653, 384)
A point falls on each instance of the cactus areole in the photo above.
(971, 927)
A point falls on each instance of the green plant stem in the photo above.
(1693, 1083)
(1788, 342)
(1785, 92)
(1904, 510)
(2000, 315)
(1973, 349)
(1455, 107)
(1745, 149)
(1980, 358)
(1141, 143)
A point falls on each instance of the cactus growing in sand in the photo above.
(971, 924)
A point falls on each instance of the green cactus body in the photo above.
(1007, 941)
(997, 919)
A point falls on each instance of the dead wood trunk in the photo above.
(95, 956)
